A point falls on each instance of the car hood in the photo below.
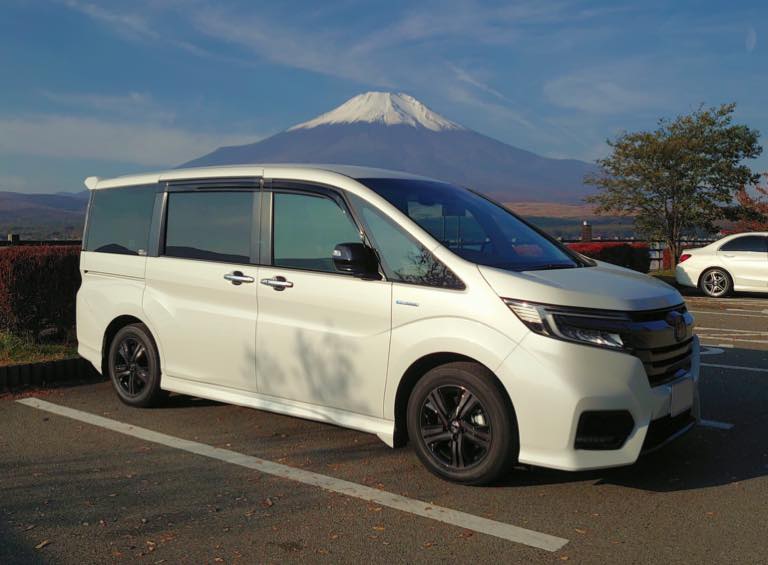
(605, 287)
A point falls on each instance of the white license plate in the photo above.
(682, 396)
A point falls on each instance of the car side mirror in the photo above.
(356, 259)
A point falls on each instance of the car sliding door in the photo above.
(201, 285)
(323, 336)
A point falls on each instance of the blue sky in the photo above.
(110, 88)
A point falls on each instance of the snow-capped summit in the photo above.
(386, 108)
(396, 131)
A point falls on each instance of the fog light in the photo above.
(604, 429)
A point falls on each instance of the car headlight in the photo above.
(592, 327)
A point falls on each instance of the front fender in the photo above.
(462, 336)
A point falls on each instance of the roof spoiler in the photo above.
(91, 182)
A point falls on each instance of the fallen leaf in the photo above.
(580, 531)
(42, 544)
(267, 502)
(379, 528)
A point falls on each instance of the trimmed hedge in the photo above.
(38, 286)
(47, 373)
(635, 256)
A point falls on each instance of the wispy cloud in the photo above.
(750, 41)
(466, 77)
(122, 141)
(130, 104)
(600, 92)
(320, 51)
(132, 25)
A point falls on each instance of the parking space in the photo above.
(198, 481)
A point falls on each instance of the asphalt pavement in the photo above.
(85, 479)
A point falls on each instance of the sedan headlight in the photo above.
(592, 327)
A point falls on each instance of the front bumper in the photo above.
(552, 383)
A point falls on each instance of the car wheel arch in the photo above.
(115, 326)
(415, 372)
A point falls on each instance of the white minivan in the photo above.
(385, 302)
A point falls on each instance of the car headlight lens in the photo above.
(598, 328)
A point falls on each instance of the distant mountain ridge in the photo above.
(396, 131)
(43, 215)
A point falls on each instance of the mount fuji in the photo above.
(396, 131)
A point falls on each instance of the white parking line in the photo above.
(715, 424)
(708, 300)
(732, 330)
(717, 313)
(765, 311)
(737, 367)
(383, 498)
(734, 338)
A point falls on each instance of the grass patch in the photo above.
(667, 275)
(16, 349)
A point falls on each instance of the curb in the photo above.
(46, 373)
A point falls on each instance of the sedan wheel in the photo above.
(716, 283)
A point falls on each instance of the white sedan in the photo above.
(737, 262)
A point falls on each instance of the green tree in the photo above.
(679, 178)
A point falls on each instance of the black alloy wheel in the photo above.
(455, 427)
(462, 424)
(134, 366)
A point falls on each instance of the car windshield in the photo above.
(474, 227)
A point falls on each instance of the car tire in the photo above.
(462, 424)
(716, 283)
(133, 364)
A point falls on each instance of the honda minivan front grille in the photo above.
(663, 341)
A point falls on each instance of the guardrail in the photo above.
(14, 240)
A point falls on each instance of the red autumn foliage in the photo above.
(635, 256)
(38, 285)
(755, 208)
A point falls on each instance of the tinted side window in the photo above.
(119, 220)
(306, 228)
(211, 226)
(404, 259)
(746, 243)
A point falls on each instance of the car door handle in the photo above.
(728, 255)
(237, 277)
(277, 283)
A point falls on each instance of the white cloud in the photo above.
(123, 23)
(596, 93)
(131, 25)
(313, 50)
(90, 138)
(133, 104)
(750, 42)
(465, 76)
(499, 111)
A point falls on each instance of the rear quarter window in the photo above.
(119, 220)
(756, 243)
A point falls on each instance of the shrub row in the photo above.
(38, 286)
(635, 256)
(14, 377)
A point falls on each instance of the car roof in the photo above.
(255, 169)
(734, 235)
